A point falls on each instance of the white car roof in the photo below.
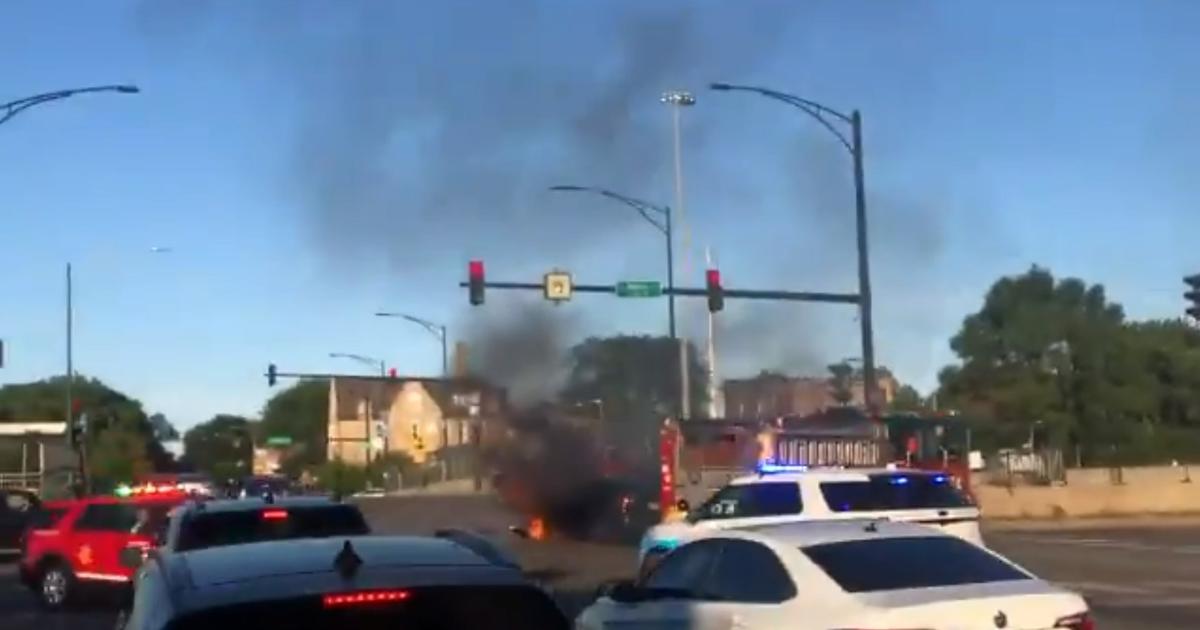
(827, 474)
(811, 533)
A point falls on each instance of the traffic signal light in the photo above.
(475, 281)
(271, 374)
(1193, 296)
(716, 294)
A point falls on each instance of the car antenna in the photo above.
(347, 561)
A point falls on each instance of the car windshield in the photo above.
(893, 492)
(200, 530)
(887, 564)
(771, 498)
(437, 608)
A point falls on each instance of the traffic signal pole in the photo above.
(745, 294)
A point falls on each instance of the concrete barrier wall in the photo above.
(1095, 492)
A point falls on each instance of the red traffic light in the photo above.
(391, 372)
(716, 293)
(475, 281)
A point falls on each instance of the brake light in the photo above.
(274, 515)
(1079, 621)
(364, 598)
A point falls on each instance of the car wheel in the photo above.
(55, 586)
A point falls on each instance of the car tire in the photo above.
(55, 586)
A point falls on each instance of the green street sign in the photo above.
(639, 288)
(279, 440)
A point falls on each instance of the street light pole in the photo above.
(434, 328)
(647, 211)
(854, 145)
(362, 359)
(12, 108)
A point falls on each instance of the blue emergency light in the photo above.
(768, 467)
(898, 481)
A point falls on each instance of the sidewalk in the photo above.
(1105, 522)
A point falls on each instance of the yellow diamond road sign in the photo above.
(557, 285)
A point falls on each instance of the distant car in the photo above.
(835, 574)
(257, 486)
(786, 494)
(344, 582)
(17, 508)
(221, 523)
(79, 543)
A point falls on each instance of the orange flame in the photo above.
(537, 528)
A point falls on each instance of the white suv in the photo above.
(786, 494)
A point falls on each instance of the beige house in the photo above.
(424, 418)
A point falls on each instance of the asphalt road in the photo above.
(1143, 578)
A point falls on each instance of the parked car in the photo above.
(835, 574)
(17, 508)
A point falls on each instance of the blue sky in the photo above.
(312, 162)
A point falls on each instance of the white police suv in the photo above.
(786, 494)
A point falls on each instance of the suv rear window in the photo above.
(218, 529)
(888, 564)
(428, 608)
(46, 518)
(748, 500)
(893, 492)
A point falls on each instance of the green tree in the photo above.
(841, 382)
(907, 398)
(222, 447)
(300, 412)
(105, 408)
(634, 380)
(1052, 354)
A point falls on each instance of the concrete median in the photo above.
(1089, 493)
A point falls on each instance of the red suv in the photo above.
(75, 544)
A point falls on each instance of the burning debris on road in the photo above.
(559, 472)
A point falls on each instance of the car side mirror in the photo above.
(132, 557)
(683, 506)
(624, 591)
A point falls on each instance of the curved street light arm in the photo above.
(812, 108)
(12, 108)
(643, 208)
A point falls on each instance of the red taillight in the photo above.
(274, 515)
(1080, 621)
(364, 598)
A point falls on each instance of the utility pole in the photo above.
(678, 100)
(870, 384)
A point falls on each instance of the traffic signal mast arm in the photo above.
(748, 294)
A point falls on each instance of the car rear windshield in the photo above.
(772, 498)
(888, 564)
(201, 530)
(893, 492)
(430, 608)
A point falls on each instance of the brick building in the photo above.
(771, 394)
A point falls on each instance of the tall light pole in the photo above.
(853, 144)
(677, 100)
(371, 361)
(12, 108)
(434, 328)
(81, 446)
